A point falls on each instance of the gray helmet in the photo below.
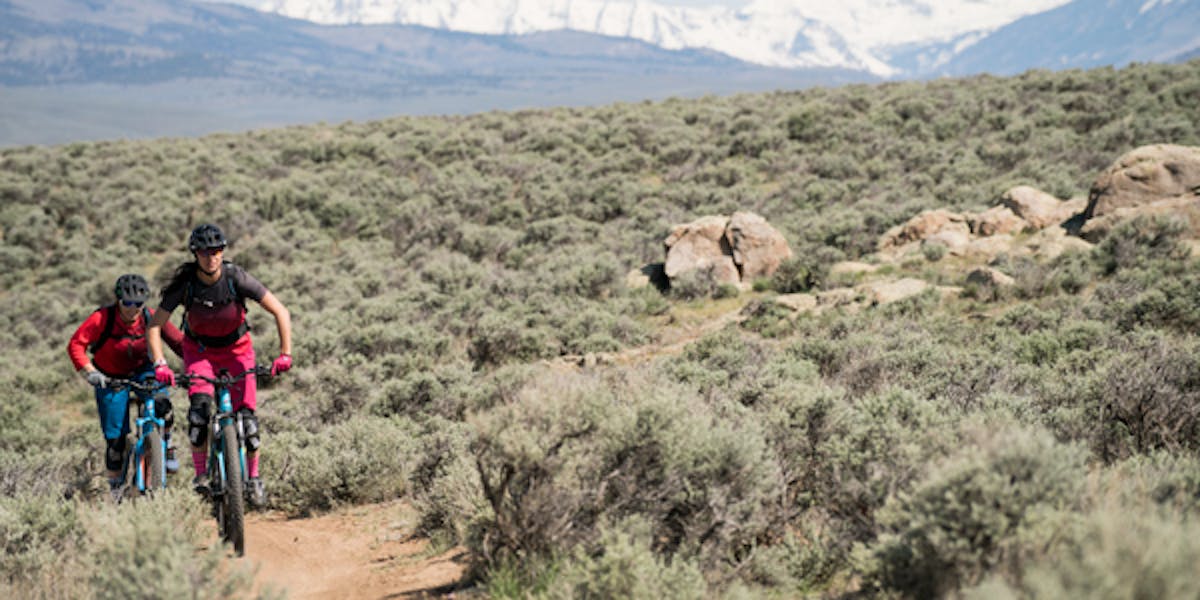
(207, 236)
(132, 288)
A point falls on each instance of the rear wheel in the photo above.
(233, 501)
(154, 473)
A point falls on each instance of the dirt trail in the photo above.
(359, 553)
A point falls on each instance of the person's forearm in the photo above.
(283, 322)
(154, 335)
(154, 340)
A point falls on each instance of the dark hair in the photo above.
(184, 273)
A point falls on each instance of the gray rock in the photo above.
(1143, 176)
(758, 248)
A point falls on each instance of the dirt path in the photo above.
(363, 552)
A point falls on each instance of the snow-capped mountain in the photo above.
(853, 34)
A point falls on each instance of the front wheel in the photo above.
(152, 462)
(234, 503)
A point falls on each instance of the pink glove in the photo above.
(163, 374)
(281, 364)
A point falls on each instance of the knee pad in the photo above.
(162, 410)
(198, 412)
(250, 429)
(114, 451)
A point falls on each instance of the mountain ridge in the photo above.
(72, 70)
(852, 34)
(886, 38)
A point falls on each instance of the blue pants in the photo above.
(113, 406)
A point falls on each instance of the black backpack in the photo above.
(110, 317)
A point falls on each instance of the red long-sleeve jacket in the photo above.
(125, 351)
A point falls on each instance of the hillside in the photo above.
(444, 274)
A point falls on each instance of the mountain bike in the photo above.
(228, 480)
(143, 465)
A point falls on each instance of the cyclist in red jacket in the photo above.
(213, 294)
(115, 336)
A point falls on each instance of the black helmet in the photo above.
(206, 236)
(132, 287)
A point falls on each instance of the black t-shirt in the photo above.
(215, 310)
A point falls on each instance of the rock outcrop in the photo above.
(737, 249)
(1145, 175)
(922, 227)
(986, 235)
(758, 248)
(1039, 209)
(997, 220)
(1187, 206)
(701, 244)
(1162, 179)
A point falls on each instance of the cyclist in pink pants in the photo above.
(213, 294)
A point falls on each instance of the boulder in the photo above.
(954, 235)
(736, 249)
(1037, 208)
(921, 227)
(986, 249)
(1143, 176)
(701, 244)
(758, 248)
(997, 220)
(1186, 206)
(886, 292)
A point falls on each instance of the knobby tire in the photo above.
(153, 457)
(234, 501)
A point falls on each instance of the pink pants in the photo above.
(236, 358)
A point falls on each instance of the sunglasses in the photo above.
(210, 251)
(132, 303)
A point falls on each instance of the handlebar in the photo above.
(149, 385)
(223, 379)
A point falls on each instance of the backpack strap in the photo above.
(225, 340)
(110, 315)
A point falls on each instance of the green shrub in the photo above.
(39, 541)
(148, 550)
(695, 284)
(767, 318)
(1115, 553)
(1136, 241)
(1148, 397)
(623, 564)
(981, 511)
(799, 274)
(933, 252)
(364, 459)
(445, 486)
(500, 338)
(575, 450)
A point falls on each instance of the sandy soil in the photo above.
(363, 552)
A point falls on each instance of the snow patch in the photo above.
(780, 33)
